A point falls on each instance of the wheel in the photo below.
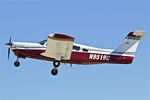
(56, 63)
(54, 71)
(16, 63)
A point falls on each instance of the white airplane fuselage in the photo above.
(81, 54)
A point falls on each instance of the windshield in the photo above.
(42, 42)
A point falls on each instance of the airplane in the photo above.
(60, 48)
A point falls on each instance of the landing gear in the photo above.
(56, 64)
(54, 71)
(17, 63)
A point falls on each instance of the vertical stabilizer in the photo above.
(130, 43)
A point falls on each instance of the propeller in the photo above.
(9, 44)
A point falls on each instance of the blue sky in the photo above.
(102, 24)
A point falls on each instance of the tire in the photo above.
(16, 64)
(54, 71)
(56, 63)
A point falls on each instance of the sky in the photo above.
(98, 23)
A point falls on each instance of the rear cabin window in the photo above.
(76, 48)
(86, 50)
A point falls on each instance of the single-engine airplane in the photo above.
(60, 48)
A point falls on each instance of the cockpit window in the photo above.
(86, 50)
(42, 42)
(76, 48)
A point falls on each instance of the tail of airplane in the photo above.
(130, 43)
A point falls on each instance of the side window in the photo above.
(76, 48)
(86, 50)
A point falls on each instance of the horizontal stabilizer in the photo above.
(138, 33)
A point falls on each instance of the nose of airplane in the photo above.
(9, 44)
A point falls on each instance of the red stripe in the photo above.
(76, 57)
(82, 57)
(131, 34)
(61, 37)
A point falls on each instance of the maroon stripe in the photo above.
(76, 57)
(83, 57)
(131, 34)
(61, 37)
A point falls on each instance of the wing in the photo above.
(59, 46)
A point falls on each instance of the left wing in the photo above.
(59, 46)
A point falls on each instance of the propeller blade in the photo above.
(10, 40)
(8, 53)
(9, 44)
